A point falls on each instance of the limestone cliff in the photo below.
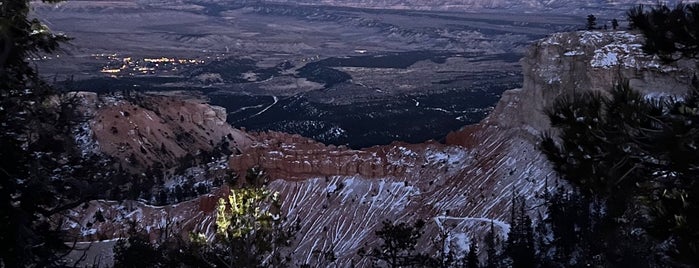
(565, 63)
(340, 196)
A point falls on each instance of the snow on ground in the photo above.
(605, 49)
(605, 60)
(502, 227)
(448, 156)
(84, 139)
(574, 53)
(623, 49)
(664, 96)
(350, 209)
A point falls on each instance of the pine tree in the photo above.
(492, 244)
(137, 251)
(615, 24)
(671, 34)
(248, 226)
(630, 162)
(36, 144)
(249, 233)
(445, 255)
(472, 257)
(520, 242)
(399, 244)
(591, 22)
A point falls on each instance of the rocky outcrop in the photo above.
(574, 62)
(292, 157)
(340, 196)
(156, 130)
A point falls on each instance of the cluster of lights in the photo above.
(134, 66)
(174, 60)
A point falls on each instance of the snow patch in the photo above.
(625, 50)
(84, 139)
(88, 232)
(574, 53)
(462, 243)
(663, 96)
(605, 60)
(331, 188)
(501, 226)
(407, 152)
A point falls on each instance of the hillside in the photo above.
(340, 196)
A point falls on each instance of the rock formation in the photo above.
(141, 131)
(340, 196)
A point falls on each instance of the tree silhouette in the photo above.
(472, 257)
(137, 251)
(399, 242)
(520, 241)
(591, 22)
(42, 173)
(492, 245)
(630, 162)
(671, 34)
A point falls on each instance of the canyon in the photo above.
(339, 196)
(339, 75)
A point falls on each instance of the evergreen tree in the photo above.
(36, 145)
(630, 162)
(248, 234)
(566, 222)
(446, 256)
(472, 257)
(520, 242)
(615, 24)
(671, 34)
(248, 229)
(591, 22)
(492, 244)
(137, 251)
(399, 242)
